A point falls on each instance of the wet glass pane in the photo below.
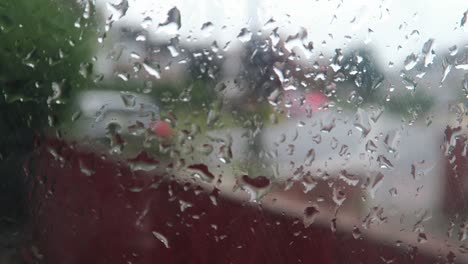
(260, 131)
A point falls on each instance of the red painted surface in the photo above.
(99, 219)
(162, 129)
(311, 102)
(456, 189)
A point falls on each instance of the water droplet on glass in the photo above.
(56, 93)
(173, 47)
(344, 150)
(384, 163)
(184, 205)
(447, 67)
(338, 196)
(200, 171)
(256, 187)
(205, 149)
(310, 157)
(350, 179)
(375, 185)
(117, 143)
(128, 99)
(361, 122)
(310, 213)
(140, 38)
(411, 61)
(308, 182)
(375, 216)
(140, 164)
(85, 169)
(152, 71)
(393, 192)
(244, 35)
(465, 85)
(207, 28)
(117, 10)
(76, 116)
(370, 146)
(333, 225)
(146, 23)
(428, 52)
(464, 19)
(327, 127)
(422, 238)
(392, 140)
(173, 22)
(161, 238)
(356, 233)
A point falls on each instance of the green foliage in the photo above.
(39, 46)
(410, 104)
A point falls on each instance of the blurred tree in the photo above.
(45, 53)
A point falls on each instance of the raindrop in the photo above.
(85, 169)
(310, 213)
(411, 61)
(377, 182)
(270, 22)
(173, 22)
(384, 163)
(161, 238)
(117, 10)
(327, 127)
(244, 35)
(428, 52)
(137, 129)
(309, 183)
(356, 233)
(370, 146)
(152, 71)
(464, 19)
(142, 166)
(350, 179)
(205, 149)
(465, 85)
(257, 187)
(225, 154)
(184, 205)
(200, 171)
(290, 149)
(56, 93)
(76, 116)
(453, 50)
(392, 140)
(140, 38)
(207, 28)
(147, 22)
(361, 122)
(310, 157)
(375, 216)
(173, 47)
(333, 225)
(116, 141)
(128, 99)
(343, 150)
(317, 139)
(422, 238)
(338, 196)
(447, 67)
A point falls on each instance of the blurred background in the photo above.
(354, 108)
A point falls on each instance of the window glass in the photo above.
(260, 131)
